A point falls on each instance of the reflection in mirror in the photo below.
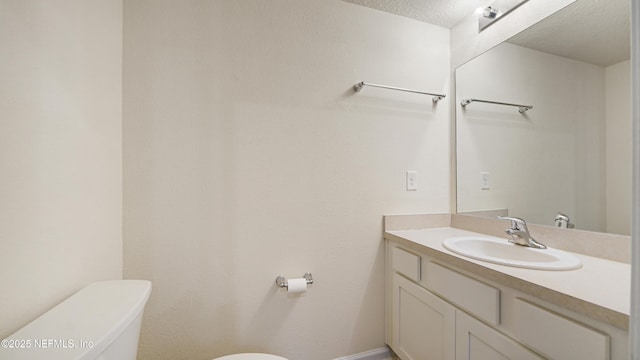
(567, 161)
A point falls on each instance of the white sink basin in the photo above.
(501, 251)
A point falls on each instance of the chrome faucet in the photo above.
(519, 233)
(563, 221)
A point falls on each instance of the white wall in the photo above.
(60, 152)
(618, 113)
(247, 156)
(552, 158)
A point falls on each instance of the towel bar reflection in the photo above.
(281, 281)
(521, 108)
(436, 97)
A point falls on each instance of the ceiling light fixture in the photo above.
(496, 11)
(490, 12)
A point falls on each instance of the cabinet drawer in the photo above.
(557, 337)
(474, 296)
(406, 263)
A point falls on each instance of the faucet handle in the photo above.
(516, 222)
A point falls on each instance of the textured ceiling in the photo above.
(593, 31)
(446, 13)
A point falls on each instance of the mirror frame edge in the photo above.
(634, 325)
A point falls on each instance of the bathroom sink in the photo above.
(501, 251)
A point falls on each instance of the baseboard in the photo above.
(375, 354)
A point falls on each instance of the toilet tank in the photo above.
(100, 322)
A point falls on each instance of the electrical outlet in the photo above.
(412, 181)
(484, 180)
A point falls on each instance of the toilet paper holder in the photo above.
(281, 281)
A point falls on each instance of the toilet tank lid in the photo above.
(85, 323)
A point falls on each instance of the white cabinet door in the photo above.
(423, 325)
(477, 341)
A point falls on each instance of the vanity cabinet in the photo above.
(437, 312)
(426, 327)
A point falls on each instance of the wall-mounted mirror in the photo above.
(571, 153)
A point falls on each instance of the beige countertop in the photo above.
(600, 289)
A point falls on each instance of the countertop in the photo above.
(600, 289)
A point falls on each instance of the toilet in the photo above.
(252, 356)
(100, 322)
